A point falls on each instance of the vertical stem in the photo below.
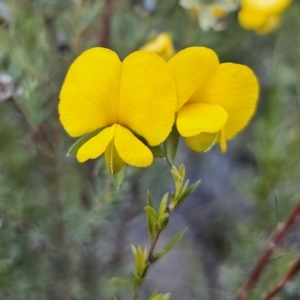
(278, 287)
(150, 260)
(106, 23)
(265, 257)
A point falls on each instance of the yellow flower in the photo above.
(136, 97)
(261, 16)
(161, 45)
(217, 11)
(215, 101)
(209, 15)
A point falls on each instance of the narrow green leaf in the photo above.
(172, 202)
(151, 212)
(184, 187)
(151, 221)
(161, 297)
(171, 145)
(149, 199)
(119, 177)
(177, 181)
(163, 214)
(75, 147)
(171, 244)
(163, 204)
(122, 281)
(163, 220)
(133, 249)
(151, 227)
(188, 191)
(156, 296)
(153, 295)
(151, 218)
(140, 261)
(157, 151)
(181, 171)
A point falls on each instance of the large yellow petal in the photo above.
(235, 88)
(191, 68)
(201, 142)
(147, 96)
(94, 147)
(131, 149)
(195, 118)
(267, 6)
(89, 95)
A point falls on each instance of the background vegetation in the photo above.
(65, 229)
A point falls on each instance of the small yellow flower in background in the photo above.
(209, 15)
(215, 101)
(262, 16)
(161, 45)
(217, 11)
(121, 100)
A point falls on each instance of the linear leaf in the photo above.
(171, 244)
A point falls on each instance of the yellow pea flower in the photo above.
(161, 45)
(134, 97)
(261, 16)
(215, 101)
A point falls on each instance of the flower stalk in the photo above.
(157, 222)
(150, 260)
(281, 283)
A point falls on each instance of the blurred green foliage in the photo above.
(56, 216)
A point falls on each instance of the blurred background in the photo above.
(66, 230)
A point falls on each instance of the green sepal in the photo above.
(113, 162)
(157, 151)
(171, 244)
(75, 147)
(171, 145)
(119, 177)
(207, 141)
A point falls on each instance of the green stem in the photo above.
(150, 260)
